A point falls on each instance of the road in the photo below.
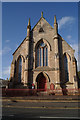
(40, 109)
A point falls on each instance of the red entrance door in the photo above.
(42, 84)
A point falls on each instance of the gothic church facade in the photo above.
(44, 60)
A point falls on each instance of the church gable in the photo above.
(43, 30)
(65, 45)
(42, 25)
(67, 48)
(19, 46)
(21, 50)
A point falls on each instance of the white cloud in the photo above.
(7, 41)
(5, 50)
(6, 71)
(69, 37)
(65, 20)
(0, 52)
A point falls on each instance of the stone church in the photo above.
(44, 60)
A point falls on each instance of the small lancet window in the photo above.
(41, 30)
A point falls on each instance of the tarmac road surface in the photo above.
(55, 109)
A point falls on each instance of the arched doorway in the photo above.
(42, 82)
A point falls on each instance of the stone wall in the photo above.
(57, 47)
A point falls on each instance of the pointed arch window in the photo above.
(15, 69)
(20, 70)
(42, 54)
(66, 68)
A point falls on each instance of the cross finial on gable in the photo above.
(29, 22)
(55, 21)
(41, 14)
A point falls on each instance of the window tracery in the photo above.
(42, 54)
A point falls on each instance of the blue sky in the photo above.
(15, 18)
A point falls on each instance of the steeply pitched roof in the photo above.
(66, 42)
(18, 46)
(39, 21)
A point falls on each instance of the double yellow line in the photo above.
(10, 106)
(17, 100)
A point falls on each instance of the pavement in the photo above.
(38, 98)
